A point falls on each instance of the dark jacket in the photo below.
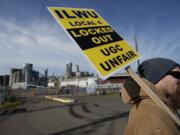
(145, 117)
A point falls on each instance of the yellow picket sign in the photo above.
(105, 49)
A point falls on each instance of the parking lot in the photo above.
(90, 115)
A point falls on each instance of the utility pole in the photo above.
(136, 45)
(4, 88)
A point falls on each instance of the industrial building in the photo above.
(76, 77)
(70, 73)
(84, 79)
(117, 78)
(27, 77)
(4, 80)
(53, 81)
(79, 82)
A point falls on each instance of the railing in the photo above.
(106, 86)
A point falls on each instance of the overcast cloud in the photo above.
(39, 43)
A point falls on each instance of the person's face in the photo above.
(170, 84)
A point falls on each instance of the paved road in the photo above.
(90, 115)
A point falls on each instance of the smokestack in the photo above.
(46, 73)
(70, 68)
(27, 71)
(77, 68)
(67, 70)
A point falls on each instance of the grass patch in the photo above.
(11, 102)
(10, 105)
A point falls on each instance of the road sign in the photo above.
(105, 49)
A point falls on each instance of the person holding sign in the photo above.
(146, 118)
(105, 49)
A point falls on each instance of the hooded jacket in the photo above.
(145, 117)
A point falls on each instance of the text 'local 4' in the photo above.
(105, 49)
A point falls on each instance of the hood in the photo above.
(132, 93)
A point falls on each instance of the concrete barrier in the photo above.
(61, 99)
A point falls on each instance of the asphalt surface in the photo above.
(90, 115)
